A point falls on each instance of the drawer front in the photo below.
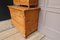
(20, 21)
(19, 18)
(20, 15)
(17, 15)
(16, 12)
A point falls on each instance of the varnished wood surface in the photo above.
(26, 2)
(25, 19)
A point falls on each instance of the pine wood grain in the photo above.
(26, 2)
(25, 19)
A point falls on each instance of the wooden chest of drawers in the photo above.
(26, 2)
(24, 19)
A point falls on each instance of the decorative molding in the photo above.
(52, 9)
(53, 6)
(54, 3)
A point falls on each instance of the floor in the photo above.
(12, 34)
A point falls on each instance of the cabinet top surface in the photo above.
(23, 8)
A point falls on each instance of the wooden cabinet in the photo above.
(25, 19)
(26, 2)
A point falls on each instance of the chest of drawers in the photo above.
(24, 19)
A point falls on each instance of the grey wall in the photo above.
(49, 23)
